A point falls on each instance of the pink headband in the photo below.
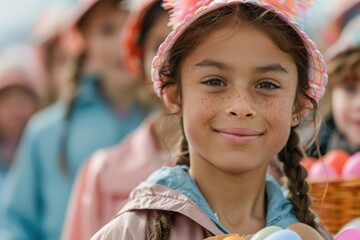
(185, 12)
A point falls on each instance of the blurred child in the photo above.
(241, 76)
(99, 108)
(47, 34)
(19, 100)
(342, 108)
(106, 180)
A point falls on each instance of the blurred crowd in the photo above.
(80, 126)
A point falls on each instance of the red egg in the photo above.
(337, 159)
(308, 162)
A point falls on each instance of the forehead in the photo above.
(237, 44)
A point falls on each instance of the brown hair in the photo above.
(339, 70)
(289, 41)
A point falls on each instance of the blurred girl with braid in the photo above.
(241, 76)
(104, 182)
(99, 109)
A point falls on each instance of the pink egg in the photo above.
(321, 171)
(352, 167)
(349, 234)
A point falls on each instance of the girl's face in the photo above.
(16, 107)
(237, 102)
(346, 107)
(102, 31)
(155, 37)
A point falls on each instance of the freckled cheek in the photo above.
(278, 115)
(198, 111)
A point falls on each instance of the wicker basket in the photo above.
(336, 202)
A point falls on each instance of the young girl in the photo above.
(19, 100)
(342, 129)
(340, 107)
(61, 137)
(107, 178)
(241, 76)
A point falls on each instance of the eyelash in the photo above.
(210, 80)
(273, 85)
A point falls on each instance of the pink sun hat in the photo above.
(19, 66)
(84, 6)
(185, 12)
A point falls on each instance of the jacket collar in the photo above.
(279, 208)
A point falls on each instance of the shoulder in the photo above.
(47, 118)
(129, 162)
(127, 225)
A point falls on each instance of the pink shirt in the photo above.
(105, 181)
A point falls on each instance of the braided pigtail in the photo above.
(70, 100)
(159, 228)
(290, 156)
(184, 158)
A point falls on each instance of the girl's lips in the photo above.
(239, 136)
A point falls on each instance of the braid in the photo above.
(184, 158)
(70, 103)
(291, 156)
(159, 228)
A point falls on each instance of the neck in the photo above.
(239, 200)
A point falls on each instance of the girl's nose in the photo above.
(241, 106)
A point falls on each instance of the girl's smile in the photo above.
(239, 136)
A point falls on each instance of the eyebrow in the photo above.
(222, 66)
(212, 63)
(271, 68)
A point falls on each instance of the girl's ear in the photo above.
(171, 98)
(300, 110)
(73, 41)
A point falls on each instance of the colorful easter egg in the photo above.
(234, 238)
(322, 171)
(305, 231)
(337, 159)
(352, 167)
(263, 233)
(355, 223)
(284, 235)
(349, 234)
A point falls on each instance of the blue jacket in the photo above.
(279, 209)
(37, 191)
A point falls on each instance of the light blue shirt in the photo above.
(36, 191)
(279, 209)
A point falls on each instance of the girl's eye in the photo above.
(350, 88)
(214, 82)
(267, 85)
